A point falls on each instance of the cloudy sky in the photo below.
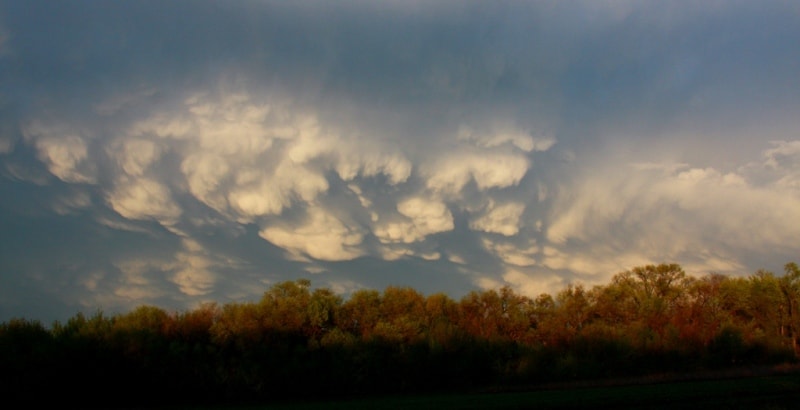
(171, 153)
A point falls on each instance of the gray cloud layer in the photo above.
(198, 150)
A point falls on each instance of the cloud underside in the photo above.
(507, 146)
(323, 192)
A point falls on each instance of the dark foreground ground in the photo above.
(762, 388)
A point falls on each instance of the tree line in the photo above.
(300, 342)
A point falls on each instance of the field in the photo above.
(776, 390)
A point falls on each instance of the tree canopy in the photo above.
(301, 340)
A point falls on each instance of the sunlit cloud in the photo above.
(144, 199)
(534, 285)
(486, 169)
(448, 146)
(511, 253)
(679, 213)
(321, 235)
(64, 152)
(503, 219)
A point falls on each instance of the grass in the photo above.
(766, 392)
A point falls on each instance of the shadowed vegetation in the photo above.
(298, 342)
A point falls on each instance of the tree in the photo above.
(360, 313)
(573, 312)
(322, 308)
(700, 319)
(441, 318)
(440, 308)
(540, 318)
(285, 306)
(494, 314)
(402, 315)
(143, 318)
(656, 291)
(239, 325)
(194, 325)
(141, 331)
(790, 288)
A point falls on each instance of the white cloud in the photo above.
(780, 165)
(533, 285)
(512, 254)
(321, 235)
(652, 214)
(488, 282)
(258, 194)
(139, 281)
(364, 201)
(457, 259)
(234, 126)
(503, 219)
(142, 198)
(428, 215)
(599, 263)
(205, 173)
(397, 232)
(396, 167)
(503, 133)
(134, 156)
(784, 154)
(193, 270)
(63, 151)
(393, 253)
(423, 216)
(489, 169)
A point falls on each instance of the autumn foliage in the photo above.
(299, 342)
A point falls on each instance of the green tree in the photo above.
(141, 331)
(708, 309)
(654, 292)
(573, 312)
(239, 325)
(321, 311)
(764, 304)
(441, 320)
(194, 325)
(360, 313)
(285, 306)
(541, 315)
(402, 315)
(790, 288)
(143, 318)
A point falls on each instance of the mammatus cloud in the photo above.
(144, 199)
(513, 254)
(501, 134)
(147, 159)
(251, 161)
(291, 176)
(503, 219)
(427, 216)
(63, 151)
(486, 169)
(321, 236)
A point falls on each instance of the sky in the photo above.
(179, 152)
